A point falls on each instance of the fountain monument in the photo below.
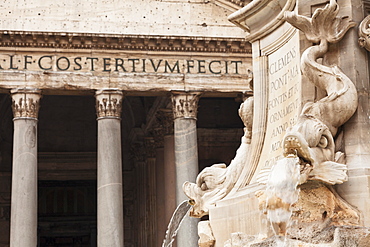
(300, 176)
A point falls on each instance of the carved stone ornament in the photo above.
(215, 182)
(312, 138)
(25, 103)
(108, 103)
(364, 33)
(185, 104)
(309, 147)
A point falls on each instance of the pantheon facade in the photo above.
(106, 108)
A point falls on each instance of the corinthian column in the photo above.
(186, 157)
(23, 224)
(110, 204)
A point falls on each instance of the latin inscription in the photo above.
(49, 62)
(284, 99)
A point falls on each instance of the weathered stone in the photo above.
(314, 138)
(187, 46)
(156, 17)
(206, 238)
(334, 237)
(215, 182)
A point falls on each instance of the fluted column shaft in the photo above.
(23, 224)
(110, 202)
(186, 157)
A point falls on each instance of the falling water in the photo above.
(176, 219)
(281, 192)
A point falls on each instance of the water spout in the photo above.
(281, 192)
(178, 216)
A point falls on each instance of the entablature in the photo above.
(81, 62)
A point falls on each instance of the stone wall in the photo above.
(144, 17)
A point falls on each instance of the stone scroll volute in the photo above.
(364, 33)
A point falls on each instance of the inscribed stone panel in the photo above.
(284, 99)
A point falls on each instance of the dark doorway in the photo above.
(67, 171)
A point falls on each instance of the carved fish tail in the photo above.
(341, 99)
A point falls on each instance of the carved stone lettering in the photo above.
(284, 98)
(106, 64)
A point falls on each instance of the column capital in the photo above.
(109, 103)
(185, 104)
(25, 103)
(165, 120)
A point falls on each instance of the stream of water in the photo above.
(178, 216)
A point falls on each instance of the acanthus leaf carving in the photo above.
(25, 103)
(185, 104)
(109, 103)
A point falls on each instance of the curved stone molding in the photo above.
(215, 183)
(261, 17)
(364, 33)
(108, 103)
(25, 102)
(185, 104)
